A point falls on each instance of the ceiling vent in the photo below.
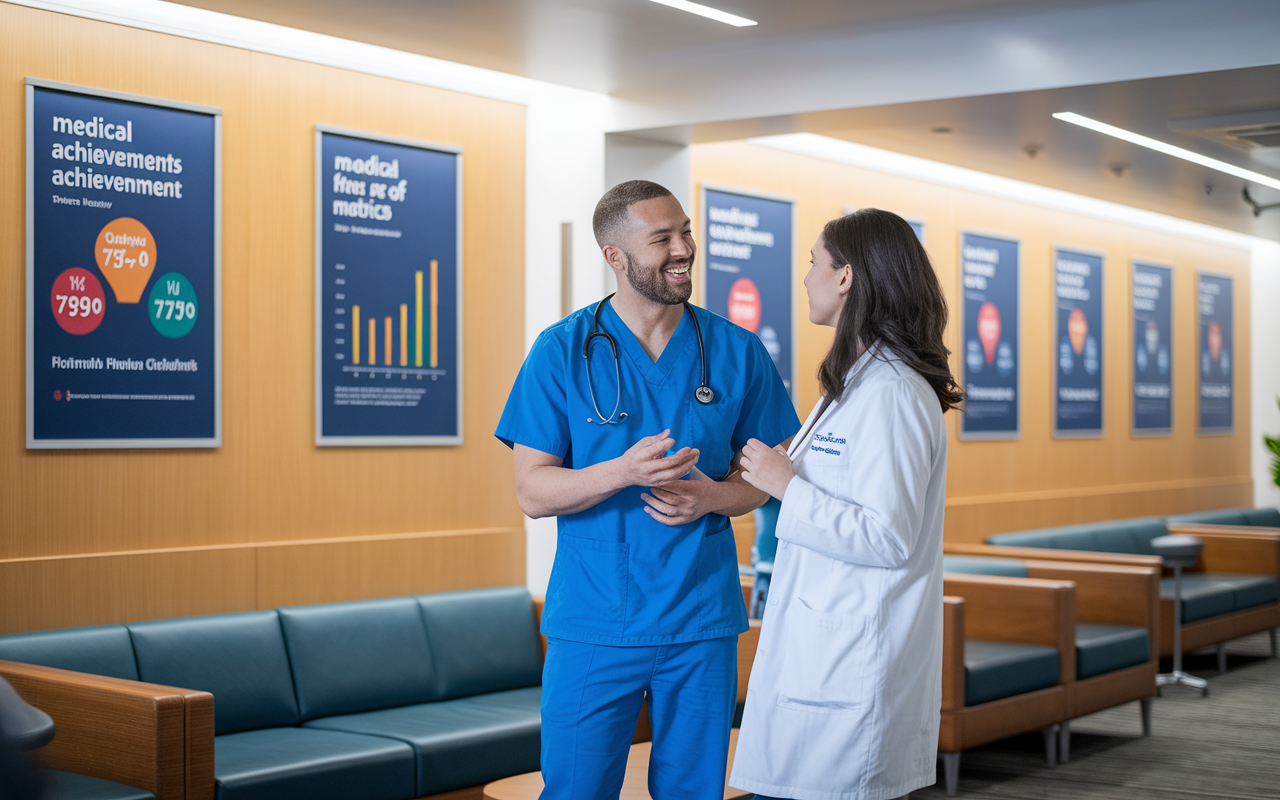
(1249, 130)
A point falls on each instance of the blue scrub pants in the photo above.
(591, 699)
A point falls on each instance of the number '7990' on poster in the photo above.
(123, 291)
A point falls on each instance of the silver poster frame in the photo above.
(703, 187)
(381, 441)
(987, 436)
(33, 443)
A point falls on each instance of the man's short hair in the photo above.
(611, 211)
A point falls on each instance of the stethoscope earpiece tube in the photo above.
(703, 394)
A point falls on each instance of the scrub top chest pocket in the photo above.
(710, 429)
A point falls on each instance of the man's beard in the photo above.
(652, 284)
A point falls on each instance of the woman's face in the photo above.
(826, 285)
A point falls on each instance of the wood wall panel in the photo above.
(96, 589)
(1036, 480)
(268, 482)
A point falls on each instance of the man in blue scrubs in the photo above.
(644, 597)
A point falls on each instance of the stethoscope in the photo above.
(702, 394)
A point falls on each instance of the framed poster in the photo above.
(388, 290)
(1078, 343)
(124, 262)
(990, 333)
(749, 269)
(1152, 360)
(1215, 317)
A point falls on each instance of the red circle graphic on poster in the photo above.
(78, 302)
(744, 304)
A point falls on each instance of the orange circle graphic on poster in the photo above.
(744, 304)
(126, 254)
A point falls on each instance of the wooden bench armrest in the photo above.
(157, 738)
(1048, 554)
(952, 653)
(1028, 610)
(1110, 593)
(1197, 529)
(1239, 552)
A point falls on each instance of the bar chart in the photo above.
(426, 347)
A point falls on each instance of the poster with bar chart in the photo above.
(388, 291)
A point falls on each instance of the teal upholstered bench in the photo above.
(59, 784)
(1100, 647)
(386, 699)
(996, 670)
(1219, 604)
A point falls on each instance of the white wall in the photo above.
(564, 177)
(1264, 311)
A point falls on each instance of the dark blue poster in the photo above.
(1217, 351)
(388, 291)
(123, 270)
(1152, 350)
(749, 268)
(990, 330)
(1077, 402)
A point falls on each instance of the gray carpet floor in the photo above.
(1224, 746)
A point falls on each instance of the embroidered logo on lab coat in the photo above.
(825, 443)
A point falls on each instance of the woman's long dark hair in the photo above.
(895, 299)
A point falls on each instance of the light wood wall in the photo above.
(1036, 480)
(107, 536)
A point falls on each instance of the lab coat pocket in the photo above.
(825, 664)
(588, 587)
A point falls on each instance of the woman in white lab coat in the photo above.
(845, 696)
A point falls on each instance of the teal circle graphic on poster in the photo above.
(172, 305)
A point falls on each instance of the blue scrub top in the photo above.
(620, 577)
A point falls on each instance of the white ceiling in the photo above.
(884, 73)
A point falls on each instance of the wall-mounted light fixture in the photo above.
(1167, 149)
(708, 12)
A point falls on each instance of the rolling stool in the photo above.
(1178, 552)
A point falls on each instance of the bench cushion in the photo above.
(1113, 536)
(1102, 648)
(485, 640)
(983, 565)
(459, 743)
(239, 658)
(1262, 517)
(1221, 516)
(99, 650)
(1209, 594)
(993, 670)
(358, 656)
(59, 785)
(304, 764)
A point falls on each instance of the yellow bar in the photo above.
(355, 334)
(404, 335)
(435, 313)
(417, 318)
(388, 329)
(373, 342)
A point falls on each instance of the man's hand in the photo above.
(646, 464)
(679, 502)
(767, 468)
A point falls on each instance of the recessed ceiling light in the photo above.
(1167, 149)
(708, 12)
(940, 129)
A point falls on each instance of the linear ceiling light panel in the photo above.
(708, 12)
(1167, 149)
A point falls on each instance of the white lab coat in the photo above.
(845, 695)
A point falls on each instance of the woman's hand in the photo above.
(766, 468)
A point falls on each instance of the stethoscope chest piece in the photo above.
(704, 395)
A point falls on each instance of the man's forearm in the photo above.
(549, 491)
(735, 497)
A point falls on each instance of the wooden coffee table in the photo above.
(635, 786)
